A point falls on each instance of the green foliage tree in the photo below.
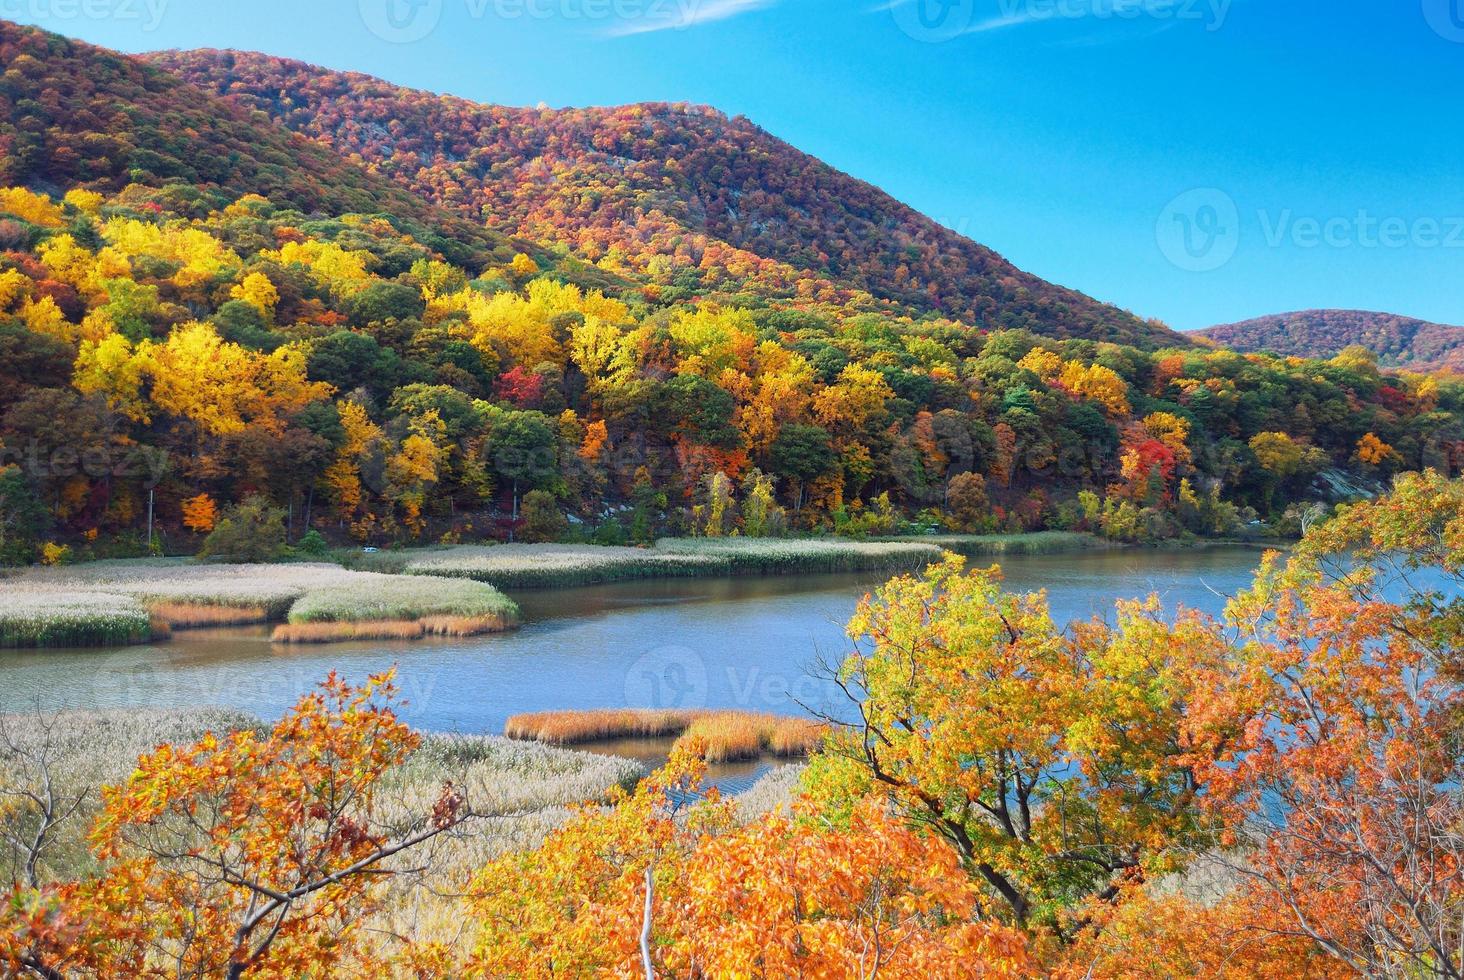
(251, 531)
(542, 518)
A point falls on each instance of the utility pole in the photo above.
(150, 493)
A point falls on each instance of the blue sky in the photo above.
(1198, 161)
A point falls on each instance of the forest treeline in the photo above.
(185, 350)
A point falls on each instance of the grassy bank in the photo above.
(122, 602)
(404, 607)
(66, 618)
(727, 735)
(771, 556)
(554, 566)
(550, 566)
(997, 545)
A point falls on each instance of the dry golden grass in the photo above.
(726, 736)
(191, 615)
(389, 629)
(343, 632)
(795, 736)
(578, 727)
(466, 625)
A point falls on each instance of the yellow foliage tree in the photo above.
(257, 290)
(111, 368)
(223, 387)
(38, 209)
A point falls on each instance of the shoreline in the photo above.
(453, 590)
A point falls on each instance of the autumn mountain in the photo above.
(74, 113)
(702, 203)
(1399, 341)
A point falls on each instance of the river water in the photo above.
(721, 643)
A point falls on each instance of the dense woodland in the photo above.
(1399, 341)
(212, 349)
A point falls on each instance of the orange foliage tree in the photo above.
(1340, 777)
(246, 854)
(643, 889)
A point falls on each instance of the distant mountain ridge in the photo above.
(1399, 341)
(703, 203)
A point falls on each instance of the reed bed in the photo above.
(598, 725)
(551, 566)
(322, 603)
(732, 736)
(779, 556)
(726, 736)
(397, 608)
(996, 545)
(189, 616)
(401, 597)
(777, 789)
(72, 618)
(187, 586)
(390, 629)
(557, 566)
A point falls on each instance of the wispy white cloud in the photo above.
(1018, 13)
(672, 15)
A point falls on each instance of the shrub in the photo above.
(313, 544)
(252, 531)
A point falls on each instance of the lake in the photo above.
(721, 643)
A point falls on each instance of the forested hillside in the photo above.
(169, 336)
(704, 204)
(1398, 341)
(354, 378)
